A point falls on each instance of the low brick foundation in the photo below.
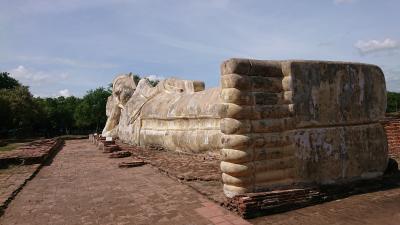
(35, 152)
(253, 205)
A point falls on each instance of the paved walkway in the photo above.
(11, 179)
(83, 186)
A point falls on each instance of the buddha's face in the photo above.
(123, 89)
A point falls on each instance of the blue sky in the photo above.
(65, 47)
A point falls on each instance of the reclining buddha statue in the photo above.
(275, 123)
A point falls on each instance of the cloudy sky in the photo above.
(65, 47)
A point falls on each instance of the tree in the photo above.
(19, 111)
(91, 111)
(393, 102)
(68, 108)
(57, 114)
(8, 82)
(17, 108)
(5, 111)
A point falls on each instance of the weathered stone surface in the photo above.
(176, 114)
(326, 130)
(330, 93)
(123, 88)
(277, 124)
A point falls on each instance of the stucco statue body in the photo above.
(123, 88)
(276, 124)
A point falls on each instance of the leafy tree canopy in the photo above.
(393, 102)
(91, 112)
(18, 109)
(8, 82)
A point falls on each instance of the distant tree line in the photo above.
(24, 115)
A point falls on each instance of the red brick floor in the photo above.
(83, 186)
(13, 178)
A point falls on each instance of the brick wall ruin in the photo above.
(392, 128)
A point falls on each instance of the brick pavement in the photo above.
(12, 179)
(83, 186)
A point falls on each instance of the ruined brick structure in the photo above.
(392, 128)
(276, 124)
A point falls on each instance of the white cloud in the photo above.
(24, 75)
(371, 46)
(33, 77)
(155, 77)
(64, 93)
(343, 1)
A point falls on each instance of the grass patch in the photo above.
(10, 147)
(13, 144)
